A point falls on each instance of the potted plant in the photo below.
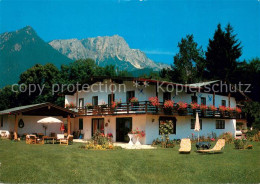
(203, 109)
(70, 105)
(113, 106)
(222, 110)
(103, 105)
(119, 103)
(137, 134)
(154, 101)
(182, 108)
(238, 111)
(194, 107)
(168, 106)
(134, 101)
(212, 108)
(89, 106)
(230, 110)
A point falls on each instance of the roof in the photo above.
(10, 111)
(201, 84)
(31, 109)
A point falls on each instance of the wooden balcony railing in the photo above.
(144, 107)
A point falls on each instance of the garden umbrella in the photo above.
(197, 125)
(49, 120)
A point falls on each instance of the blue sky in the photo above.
(153, 26)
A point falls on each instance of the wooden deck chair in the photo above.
(31, 139)
(67, 140)
(185, 146)
(217, 148)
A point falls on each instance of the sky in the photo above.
(153, 26)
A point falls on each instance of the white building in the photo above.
(127, 116)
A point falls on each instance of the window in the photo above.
(166, 96)
(110, 98)
(80, 124)
(220, 124)
(223, 103)
(203, 100)
(2, 121)
(81, 102)
(194, 99)
(163, 119)
(95, 100)
(192, 124)
(97, 125)
(129, 95)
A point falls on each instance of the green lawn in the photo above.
(69, 164)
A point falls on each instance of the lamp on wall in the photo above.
(153, 120)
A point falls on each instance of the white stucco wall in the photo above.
(31, 125)
(7, 126)
(143, 94)
(183, 128)
(151, 128)
(138, 121)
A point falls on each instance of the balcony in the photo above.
(144, 107)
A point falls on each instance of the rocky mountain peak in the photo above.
(105, 50)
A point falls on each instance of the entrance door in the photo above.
(123, 127)
(97, 125)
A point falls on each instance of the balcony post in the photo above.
(68, 120)
(214, 103)
(127, 107)
(229, 99)
(145, 106)
(16, 127)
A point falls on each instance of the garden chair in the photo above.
(31, 139)
(185, 146)
(217, 148)
(67, 140)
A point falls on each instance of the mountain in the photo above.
(106, 50)
(22, 49)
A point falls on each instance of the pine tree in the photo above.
(222, 54)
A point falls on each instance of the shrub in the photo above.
(240, 143)
(252, 135)
(249, 147)
(168, 144)
(101, 139)
(227, 136)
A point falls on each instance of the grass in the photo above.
(69, 164)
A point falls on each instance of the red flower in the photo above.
(182, 105)
(203, 107)
(168, 104)
(194, 105)
(212, 107)
(222, 108)
(154, 101)
(238, 110)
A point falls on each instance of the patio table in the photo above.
(46, 138)
(203, 145)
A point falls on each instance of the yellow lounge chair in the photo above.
(67, 141)
(185, 146)
(217, 148)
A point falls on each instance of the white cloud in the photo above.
(159, 52)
